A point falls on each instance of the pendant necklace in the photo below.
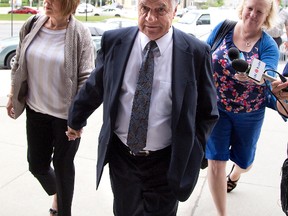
(247, 42)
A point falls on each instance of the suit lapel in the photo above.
(180, 74)
(121, 55)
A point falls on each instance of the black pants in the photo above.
(47, 142)
(139, 183)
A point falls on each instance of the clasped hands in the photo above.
(73, 134)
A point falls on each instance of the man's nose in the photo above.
(151, 15)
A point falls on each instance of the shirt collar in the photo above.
(161, 42)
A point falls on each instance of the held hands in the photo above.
(73, 134)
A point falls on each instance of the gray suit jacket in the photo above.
(194, 108)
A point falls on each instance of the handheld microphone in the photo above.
(257, 66)
(233, 53)
(240, 65)
(243, 67)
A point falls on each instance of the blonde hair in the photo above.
(69, 7)
(272, 14)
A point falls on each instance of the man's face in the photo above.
(155, 17)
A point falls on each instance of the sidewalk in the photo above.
(257, 193)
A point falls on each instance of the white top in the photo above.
(159, 124)
(280, 25)
(45, 65)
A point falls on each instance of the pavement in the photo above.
(257, 193)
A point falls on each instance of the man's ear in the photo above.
(175, 10)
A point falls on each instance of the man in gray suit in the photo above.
(182, 112)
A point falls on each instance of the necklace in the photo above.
(247, 42)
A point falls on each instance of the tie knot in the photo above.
(151, 46)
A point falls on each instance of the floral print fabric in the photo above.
(233, 95)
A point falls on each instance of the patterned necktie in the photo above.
(137, 132)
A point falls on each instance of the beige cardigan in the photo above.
(79, 61)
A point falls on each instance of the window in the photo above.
(204, 20)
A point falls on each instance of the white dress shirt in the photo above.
(159, 124)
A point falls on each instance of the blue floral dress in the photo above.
(233, 95)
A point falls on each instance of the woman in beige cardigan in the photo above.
(53, 60)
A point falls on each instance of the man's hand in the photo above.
(73, 134)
